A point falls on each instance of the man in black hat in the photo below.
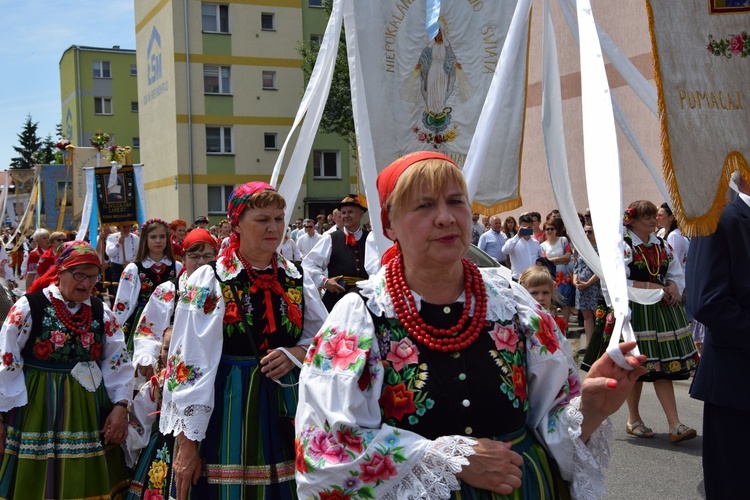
(337, 261)
(202, 222)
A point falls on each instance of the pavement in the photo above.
(655, 468)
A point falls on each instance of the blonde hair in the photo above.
(536, 276)
(432, 174)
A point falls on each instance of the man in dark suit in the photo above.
(718, 295)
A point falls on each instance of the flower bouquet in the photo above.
(99, 140)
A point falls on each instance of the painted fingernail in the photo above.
(611, 383)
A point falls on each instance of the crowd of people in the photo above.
(251, 359)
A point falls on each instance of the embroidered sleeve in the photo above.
(675, 271)
(342, 446)
(194, 354)
(126, 299)
(554, 395)
(13, 337)
(117, 371)
(155, 318)
(316, 261)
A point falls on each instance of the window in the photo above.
(215, 17)
(315, 41)
(134, 106)
(102, 105)
(217, 199)
(136, 142)
(270, 141)
(101, 69)
(268, 21)
(216, 79)
(315, 3)
(133, 70)
(326, 165)
(218, 139)
(269, 80)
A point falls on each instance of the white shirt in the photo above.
(316, 261)
(523, 254)
(114, 251)
(289, 250)
(333, 229)
(305, 243)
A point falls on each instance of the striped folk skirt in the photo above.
(664, 336)
(54, 447)
(249, 449)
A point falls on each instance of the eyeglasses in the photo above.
(195, 257)
(80, 277)
(309, 227)
(60, 239)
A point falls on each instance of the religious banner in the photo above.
(116, 204)
(82, 158)
(57, 198)
(436, 87)
(701, 59)
(23, 181)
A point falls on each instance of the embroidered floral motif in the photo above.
(145, 328)
(14, 317)
(11, 362)
(55, 343)
(178, 373)
(119, 359)
(546, 332)
(341, 350)
(195, 295)
(318, 447)
(732, 45)
(510, 358)
(157, 475)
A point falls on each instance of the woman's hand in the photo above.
(494, 467)
(146, 371)
(276, 364)
(116, 426)
(606, 386)
(187, 466)
(671, 295)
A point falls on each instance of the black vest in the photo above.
(345, 261)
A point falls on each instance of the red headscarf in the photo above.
(199, 235)
(386, 183)
(237, 204)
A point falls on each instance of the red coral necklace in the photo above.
(450, 339)
(78, 323)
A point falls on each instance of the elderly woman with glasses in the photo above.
(441, 380)
(241, 328)
(65, 387)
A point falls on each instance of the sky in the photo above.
(34, 36)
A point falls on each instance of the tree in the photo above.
(30, 144)
(47, 151)
(338, 117)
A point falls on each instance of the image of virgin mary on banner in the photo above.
(435, 88)
(117, 201)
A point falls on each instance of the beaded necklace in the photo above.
(78, 323)
(450, 339)
(645, 259)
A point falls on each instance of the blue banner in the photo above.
(57, 194)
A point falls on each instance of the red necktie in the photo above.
(351, 240)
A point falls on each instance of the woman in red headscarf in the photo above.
(241, 327)
(66, 379)
(441, 380)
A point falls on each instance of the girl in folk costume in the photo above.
(153, 470)
(66, 383)
(240, 329)
(661, 329)
(154, 264)
(540, 285)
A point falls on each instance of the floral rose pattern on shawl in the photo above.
(343, 350)
(317, 447)
(56, 344)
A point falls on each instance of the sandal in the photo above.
(639, 429)
(681, 432)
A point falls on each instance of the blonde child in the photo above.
(541, 286)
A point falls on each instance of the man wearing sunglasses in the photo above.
(307, 240)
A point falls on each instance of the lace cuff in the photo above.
(590, 458)
(192, 421)
(435, 475)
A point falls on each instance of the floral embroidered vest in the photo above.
(480, 391)
(150, 279)
(264, 314)
(49, 339)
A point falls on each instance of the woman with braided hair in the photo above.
(241, 329)
(153, 265)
